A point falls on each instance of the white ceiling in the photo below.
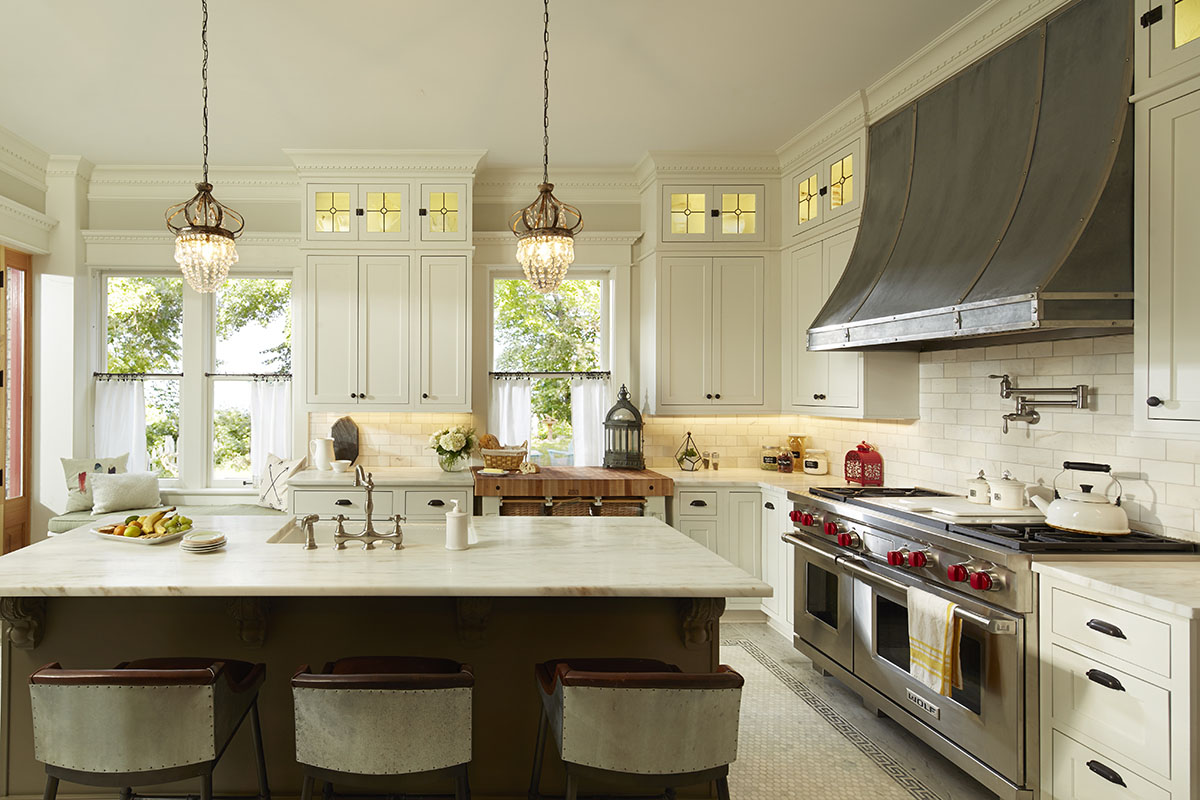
(118, 81)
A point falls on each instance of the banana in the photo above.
(153, 519)
(160, 527)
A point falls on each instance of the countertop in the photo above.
(766, 479)
(406, 476)
(512, 556)
(1166, 583)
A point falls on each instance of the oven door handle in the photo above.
(793, 539)
(996, 625)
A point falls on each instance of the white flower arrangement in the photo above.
(456, 440)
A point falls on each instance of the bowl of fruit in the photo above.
(161, 526)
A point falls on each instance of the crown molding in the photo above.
(677, 165)
(23, 160)
(165, 237)
(579, 185)
(838, 124)
(381, 163)
(176, 183)
(625, 238)
(24, 228)
(70, 167)
(154, 249)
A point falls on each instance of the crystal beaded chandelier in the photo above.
(204, 229)
(546, 228)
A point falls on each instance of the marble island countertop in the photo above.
(1167, 583)
(399, 476)
(512, 556)
(792, 482)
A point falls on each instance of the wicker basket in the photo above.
(522, 507)
(621, 507)
(505, 457)
(570, 507)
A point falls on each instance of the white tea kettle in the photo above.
(320, 451)
(1083, 511)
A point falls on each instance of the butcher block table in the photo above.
(563, 487)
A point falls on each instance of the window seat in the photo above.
(75, 519)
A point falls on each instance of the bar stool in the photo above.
(633, 723)
(143, 722)
(367, 721)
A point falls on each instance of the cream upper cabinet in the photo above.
(840, 384)
(443, 214)
(1168, 44)
(384, 336)
(357, 212)
(826, 190)
(708, 213)
(331, 329)
(711, 332)
(1167, 263)
(445, 332)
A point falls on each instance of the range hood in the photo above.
(999, 206)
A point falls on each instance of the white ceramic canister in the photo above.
(456, 528)
(320, 452)
(1007, 492)
(816, 462)
(978, 490)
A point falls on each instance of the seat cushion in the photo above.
(77, 519)
(547, 672)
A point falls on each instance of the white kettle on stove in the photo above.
(1085, 511)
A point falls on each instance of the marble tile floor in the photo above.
(830, 748)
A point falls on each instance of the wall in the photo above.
(959, 431)
(390, 440)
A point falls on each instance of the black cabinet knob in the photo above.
(422, 212)
(352, 394)
(717, 396)
(708, 397)
(1153, 401)
(769, 506)
(424, 395)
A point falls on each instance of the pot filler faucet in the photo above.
(1025, 411)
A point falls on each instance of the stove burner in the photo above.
(852, 492)
(1038, 537)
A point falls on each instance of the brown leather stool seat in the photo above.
(367, 721)
(183, 712)
(634, 723)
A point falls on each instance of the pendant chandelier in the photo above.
(204, 229)
(546, 228)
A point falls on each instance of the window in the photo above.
(545, 336)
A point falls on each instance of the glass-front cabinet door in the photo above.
(685, 216)
(443, 213)
(1174, 30)
(805, 209)
(358, 212)
(841, 181)
(383, 212)
(741, 216)
(702, 213)
(330, 212)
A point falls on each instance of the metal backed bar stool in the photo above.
(637, 723)
(143, 722)
(368, 721)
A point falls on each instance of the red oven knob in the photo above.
(850, 539)
(808, 519)
(982, 581)
(897, 557)
(796, 516)
(957, 572)
(833, 528)
(918, 559)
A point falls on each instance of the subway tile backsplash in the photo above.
(391, 440)
(959, 432)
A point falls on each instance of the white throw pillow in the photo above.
(123, 492)
(273, 486)
(79, 472)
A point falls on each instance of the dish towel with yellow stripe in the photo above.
(933, 636)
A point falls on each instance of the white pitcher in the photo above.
(320, 453)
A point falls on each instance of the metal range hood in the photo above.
(999, 206)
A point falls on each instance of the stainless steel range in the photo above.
(857, 553)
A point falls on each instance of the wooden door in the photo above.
(738, 330)
(445, 332)
(685, 332)
(332, 329)
(384, 344)
(16, 397)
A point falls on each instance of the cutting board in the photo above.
(576, 482)
(962, 507)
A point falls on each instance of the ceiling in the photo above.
(118, 82)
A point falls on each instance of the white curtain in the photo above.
(270, 423)
(510, 411)
(121, 421)
(589, 405)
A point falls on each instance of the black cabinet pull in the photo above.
(1086, 466)
(435, 502)
(342, 502)
(1153, 401)
(716, 212)
(358, 212)
(422, 212)
(424, 395)
(1107, 628)
(1105, 680)
(1152, 16)
(818, 397)
(698, 503)
(823, 191)
(770, 506)
(708, 397)
(1108, 773)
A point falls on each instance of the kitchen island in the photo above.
(528, 589)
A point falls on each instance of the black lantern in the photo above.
(623, 435)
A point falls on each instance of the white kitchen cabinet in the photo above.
(778, 565)
(347, 212)
(384, 329)
(827, 190)
(707, 213)
(445, 332)
(702, 531)
(443, 213)
(1167, 43)
(834, 383)
(1167, 262)
(728, 522)
(331, 325)
(711, 331)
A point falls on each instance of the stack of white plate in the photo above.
(202, 541)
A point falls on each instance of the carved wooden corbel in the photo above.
(26, 618)
(473, 614)
(250, 614)
(698, 618)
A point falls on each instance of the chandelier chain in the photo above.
(546, 93)
(204, 79)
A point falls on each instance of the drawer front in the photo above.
(1121, 712)
(433, 504)
(1080, 773)
(351, 503)
(1118, 633)
(697, 504)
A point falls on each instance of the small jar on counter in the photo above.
(785, 460)
(770, 458)
(795, 443)
(816, 462)
(715, 460)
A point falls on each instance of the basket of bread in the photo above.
(497, 457)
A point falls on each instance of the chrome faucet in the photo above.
(310, 539)
(1025, 413)
(365, 479)
(368, 538)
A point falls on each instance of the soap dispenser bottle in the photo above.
(456, 528)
